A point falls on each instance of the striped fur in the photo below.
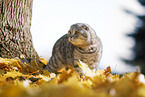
(81, 43)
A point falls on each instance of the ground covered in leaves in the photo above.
(19, 79)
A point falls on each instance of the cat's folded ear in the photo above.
(85, 27)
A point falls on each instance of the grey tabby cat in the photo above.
(81, 43)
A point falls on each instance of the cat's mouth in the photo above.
(77, 42)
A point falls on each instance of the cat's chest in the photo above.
(88, 55)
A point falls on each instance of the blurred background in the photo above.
(116, 22)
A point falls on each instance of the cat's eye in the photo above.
(69, 32)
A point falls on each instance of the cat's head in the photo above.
(80, 34)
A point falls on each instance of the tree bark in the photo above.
(15, 35)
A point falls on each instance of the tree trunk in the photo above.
(15, 36)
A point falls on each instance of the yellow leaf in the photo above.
(87, 71)
(12, 74)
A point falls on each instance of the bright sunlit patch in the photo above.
(141, 78)
(44, 77)
(26, 83)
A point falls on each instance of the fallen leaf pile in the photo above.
(19, 79)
